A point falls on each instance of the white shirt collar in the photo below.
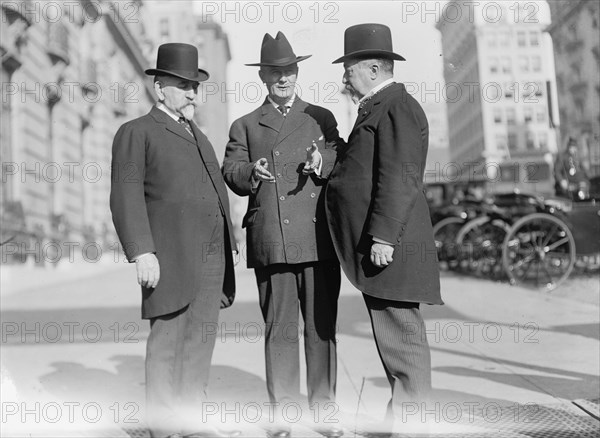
(161, 106)
(376, 89)
(288, 104)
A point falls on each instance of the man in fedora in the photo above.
(279, 155)
(378, 214)
(171, 212)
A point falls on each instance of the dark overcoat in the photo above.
(166, 193)
(285, 221)
(376, 190)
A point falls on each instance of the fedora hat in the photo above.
(277, 52)
(368, 40)
(179, 60)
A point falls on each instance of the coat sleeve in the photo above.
(333, 141)
(127, 200)
(399, 160)
(237, 168)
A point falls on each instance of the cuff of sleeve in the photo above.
(378, 240)
(386, 228)
(134, 250)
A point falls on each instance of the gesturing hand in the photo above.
(381, 254)
(148, 270)
(313, 158)
(260, 172)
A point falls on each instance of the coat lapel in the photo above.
(270, 117)
(170, 124)
(295, 118)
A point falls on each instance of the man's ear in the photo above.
(158, 90)
(260, 75)
(374, 69)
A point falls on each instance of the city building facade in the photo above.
(500, 90)
(575, 33)
(72, 73)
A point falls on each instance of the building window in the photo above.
(493, 65)
(543, 140)
(536, 63)
(506, 65)
(527, 114)
(523, 64)
(530, 141)
(540, 115)
(512, 141)
(501, 145)
(534, 38)
(164, 27)
(539, 89)
(509, 90)
(497, 115)
(510, 116)
(492, 39)
(504, 38)
(521, 38)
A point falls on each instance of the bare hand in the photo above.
(148, 270)
(260, 171)
(313, 158)
(381, 254)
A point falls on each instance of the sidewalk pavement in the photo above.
(504, 359)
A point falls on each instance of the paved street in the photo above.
(505, 360)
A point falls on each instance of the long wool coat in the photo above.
(285, 221)
(165, 194)
(376, 190)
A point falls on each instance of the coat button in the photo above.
(277, 153)
(281, 198)
(312, 195)
(314, 219)
(286, 221)
(279, 175)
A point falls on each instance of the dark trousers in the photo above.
(313, 288)
(401, 340)
(179, 352)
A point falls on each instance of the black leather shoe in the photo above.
(281, 432)
(331, 432)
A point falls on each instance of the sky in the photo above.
(317, 29)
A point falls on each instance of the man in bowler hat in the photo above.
(280, 155)
(378, 214)
(171, 212)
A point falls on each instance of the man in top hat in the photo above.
(279, 155)
(171, 212)
(378, 214)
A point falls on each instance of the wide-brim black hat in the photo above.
(366, 41)
(277, 52)
(179, 60)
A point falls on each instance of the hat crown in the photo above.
(277, 52)
(180, 60)
(367, 37)
(370, 39)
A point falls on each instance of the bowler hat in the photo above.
(179, 60)
(368, 40)
(277, 52)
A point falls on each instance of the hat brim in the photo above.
(370, 53)
(201, 76)
(283, 63)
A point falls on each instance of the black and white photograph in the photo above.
(300, 219)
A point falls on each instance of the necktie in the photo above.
(186, 125)
(283, 109)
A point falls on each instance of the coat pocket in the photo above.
(250, 217)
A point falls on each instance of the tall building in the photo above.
(72, 73)
(500, 87)
(176, 21)
(576, 36)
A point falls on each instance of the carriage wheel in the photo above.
(480, 245)
(538, 251)
(444, 234)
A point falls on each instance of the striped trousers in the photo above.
(401, 340)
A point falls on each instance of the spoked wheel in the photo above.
(538, 251)
(480, 245)
(444, 234)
